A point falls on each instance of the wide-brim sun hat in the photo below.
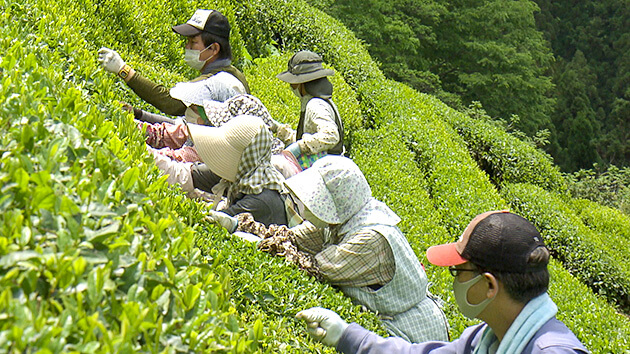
(196, 92)
(304, 66)
(221, 147)
(333, 189)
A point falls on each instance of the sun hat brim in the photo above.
(445, 255)
(291, 78)
(215, 150)
(190, 92)
(186, 30)
(310, 188)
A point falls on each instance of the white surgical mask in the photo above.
(460, 290)
(191, 57)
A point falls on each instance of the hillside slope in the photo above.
(100, 255)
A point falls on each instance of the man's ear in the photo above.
(216, 47)
(493, 285)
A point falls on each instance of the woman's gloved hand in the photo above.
(323, 325)
(110, 60)
(228, 222)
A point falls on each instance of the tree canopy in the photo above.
(560, 66)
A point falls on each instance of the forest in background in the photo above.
(556, 74)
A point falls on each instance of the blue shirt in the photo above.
(553, 337)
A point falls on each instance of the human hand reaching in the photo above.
(226, 221)
(323, 325)
(110, 60)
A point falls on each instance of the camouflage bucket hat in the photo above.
(304, 66)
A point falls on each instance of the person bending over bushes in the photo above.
(239, 153)
(500, 275)
(176, 157)
(320, 129)
(207, 50)
(352, 242)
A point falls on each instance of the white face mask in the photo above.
(191, 57)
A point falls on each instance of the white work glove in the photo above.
(110, 60)
(246, 236)
(284, 132)
(228, 222)
(323, 325)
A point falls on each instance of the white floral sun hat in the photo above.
(333, 189)
(219, 113)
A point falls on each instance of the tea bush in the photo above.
(504, 157)
(604, 220)
(98, 254)
(595, 258)
(90, 262)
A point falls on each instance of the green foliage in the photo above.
(590, 42)
(459, 51)
(457, 186)
(609, 188)
(98, 254)
(502, 156)
(88, 261)
(598, 326)
(294, 25)
(593, 257)
(604, 220)
(574, 117)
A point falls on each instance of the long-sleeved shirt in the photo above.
(160, 97)
(553, 337)
(169, 140)
(362, 258)
(320, 130)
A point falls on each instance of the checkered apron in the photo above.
(402, 304)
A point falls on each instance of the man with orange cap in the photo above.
(499, 265)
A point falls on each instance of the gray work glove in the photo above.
(228, 222)
(323, 325)
(110, 60)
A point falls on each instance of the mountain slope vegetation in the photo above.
(99, 254)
